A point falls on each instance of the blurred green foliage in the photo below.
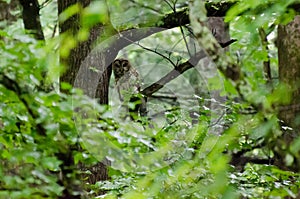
(175, 158)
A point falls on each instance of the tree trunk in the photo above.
(78, 72)
(31, 18)
(289, 73)
(207, 68)
(77, 54)
(6, 11)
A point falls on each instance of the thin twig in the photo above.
(184, 39)
(178, 70)
(181, 68)
(218, 120)
(156, 52)
(264, 43)
(147, 7)
(173, 98)
(178, 42)
(54, 31)
(174, 5)
(168, 3)
(44, 4)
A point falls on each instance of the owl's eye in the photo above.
(125, 63)
(126, 66)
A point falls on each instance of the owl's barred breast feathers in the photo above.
(128, 85)
(127, 79)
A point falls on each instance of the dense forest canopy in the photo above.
(149, 99)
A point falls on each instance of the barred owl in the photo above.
(128, 85)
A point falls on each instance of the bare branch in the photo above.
(168, 21)
(264, 43)
(185, 42)
(168, 3)
(181, 68)
(147, 7)
(173, 74)
(159, 97)
(218, 120)
(156, 52)
(54, 30)
(45, 3)
(239, 160)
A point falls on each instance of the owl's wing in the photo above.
(119, 89)
(136, 79)
(125, 88)
(128, 85)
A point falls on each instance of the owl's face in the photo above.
(120, 67)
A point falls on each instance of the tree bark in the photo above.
(79, 74)
(31, 18)
(208, 69)
(289, 73)
(71, 26)
(6, 11)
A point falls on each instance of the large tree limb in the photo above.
(181, 68)
(173, 74)
(213, 9)
(169, 21)
(172, 20)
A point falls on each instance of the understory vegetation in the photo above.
(213, 128)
